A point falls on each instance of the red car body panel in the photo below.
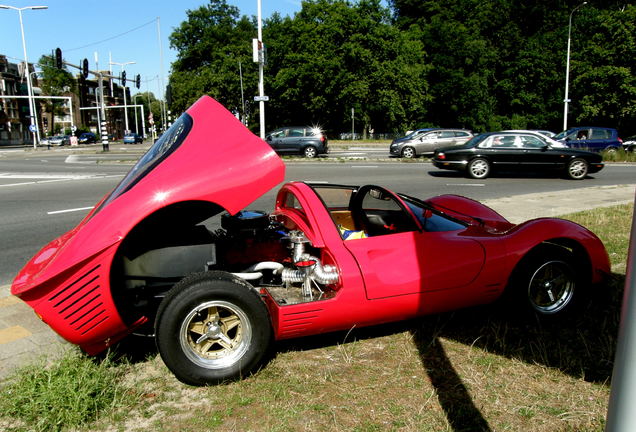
(379, 279)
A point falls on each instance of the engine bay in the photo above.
(252, 245)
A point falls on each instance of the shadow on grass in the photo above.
(581, 344)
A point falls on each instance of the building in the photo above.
(81, 110)
(14, 112)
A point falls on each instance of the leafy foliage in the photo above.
(452, 63)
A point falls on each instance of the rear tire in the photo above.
(310, 152)
(546, 282)
(212, 327)
(577, 169)
(478, 168)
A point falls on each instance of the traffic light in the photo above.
(123, 78)
(138, 81)
(58, 58)
(85, 68)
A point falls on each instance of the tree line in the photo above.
(477, 64)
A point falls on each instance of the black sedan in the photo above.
(514, 151)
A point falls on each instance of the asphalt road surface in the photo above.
(44, 194)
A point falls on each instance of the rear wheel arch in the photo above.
(148, 234)
(566, 254)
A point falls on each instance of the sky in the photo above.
(124, 31)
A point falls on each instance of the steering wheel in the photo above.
(359, 216)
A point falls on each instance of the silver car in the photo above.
(59, 140)
(426, 141)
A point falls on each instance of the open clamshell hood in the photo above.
(206, 155)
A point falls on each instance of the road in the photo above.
(44, 194)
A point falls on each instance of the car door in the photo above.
(425, 143)
(503, 150)
(404, 259)
(292, 141)
(444, 139)
(538, 155)
(275, 139)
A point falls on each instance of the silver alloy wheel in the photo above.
(577, 169)
(408, 152)
(310, 152)
(479, 168)
(551, 287)
(215, 334)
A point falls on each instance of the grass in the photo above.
(471, 370)
(619, 156)
(74, 392)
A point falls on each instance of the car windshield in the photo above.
(563, 134)
(166, 145)
(476, 140)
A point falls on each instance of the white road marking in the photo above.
(467, 184)
(50, 178)
(69, 210)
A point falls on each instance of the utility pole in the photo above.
(261, 60)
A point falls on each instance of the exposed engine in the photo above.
(250, 245)
(301, 274)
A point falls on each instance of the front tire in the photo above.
(212, 327)
(577, 169)
(409, 152)
(478, 168)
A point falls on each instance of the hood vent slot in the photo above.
(79, 303)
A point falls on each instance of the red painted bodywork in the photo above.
(380, 279)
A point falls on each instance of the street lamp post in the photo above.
(124, 87)
(26, 64)
(566, 100)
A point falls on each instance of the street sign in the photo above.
(73, 128)
(32, 128)
(261, 98)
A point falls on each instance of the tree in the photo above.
(210, 44)
(603, 81)
(333, 56)
(55, 82)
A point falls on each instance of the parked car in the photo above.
(630, 143)
(513, 151)
(87, 138)
(425, 141)
(133, 138)
(45, 141)
(60, 140)
(172, 252)
(305, 140)
(589, 138)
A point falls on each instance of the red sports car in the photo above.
(172, 251)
